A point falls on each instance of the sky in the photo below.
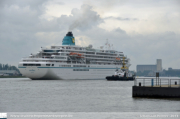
(144, 30)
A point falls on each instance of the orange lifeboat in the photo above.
(76, 54)
(117, 58)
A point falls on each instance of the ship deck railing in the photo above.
(40, 58)
(173, 82)
(65, 62)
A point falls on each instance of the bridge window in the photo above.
(51, 50)
(31, 64)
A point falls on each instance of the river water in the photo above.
(91, 96)
(26, 95)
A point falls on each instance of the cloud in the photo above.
(120, 18)
(21, 3)
(55, 2)
(84, 18)
(23, 30)
(104, 6)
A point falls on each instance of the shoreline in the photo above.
(13, 77)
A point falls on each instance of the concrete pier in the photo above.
(146, 88)
(156, 92)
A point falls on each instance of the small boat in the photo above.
(120, 76)
(117, 78)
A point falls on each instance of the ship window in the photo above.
(80, 69)
(60, 57)
(47, 64)
(31, 64)
(64, 65)
(51, 50)
(52, 64)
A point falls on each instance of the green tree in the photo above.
(0, 66)
(6, 67)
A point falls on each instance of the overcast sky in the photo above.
(144, 30)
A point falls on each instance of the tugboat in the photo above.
(122, 74)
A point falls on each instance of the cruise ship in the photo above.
(70, 61)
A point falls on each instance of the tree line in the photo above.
(8, 67)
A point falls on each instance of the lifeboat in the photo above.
(117, 58)
(77, 55)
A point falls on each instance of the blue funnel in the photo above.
(68, 39)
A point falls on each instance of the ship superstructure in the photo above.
(72, 62)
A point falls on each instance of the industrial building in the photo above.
(171, 69)
(159, 65)
(149, 67)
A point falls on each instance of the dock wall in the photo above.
(155, 92)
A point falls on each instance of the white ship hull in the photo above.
(59, 72)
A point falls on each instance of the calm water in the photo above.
(25, 95)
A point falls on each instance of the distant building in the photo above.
(143, 68)
(171, 69)
(152, 68)
(159, 65)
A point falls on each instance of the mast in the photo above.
(124, 64)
